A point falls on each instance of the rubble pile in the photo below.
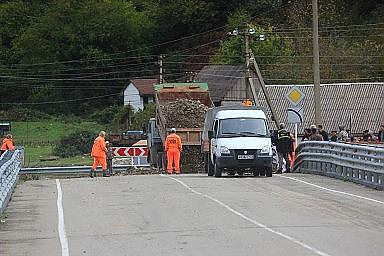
(191, 160)
(184, 113)
(132, 170)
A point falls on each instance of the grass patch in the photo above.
(38, 139)
(35, 156)
(48, 131)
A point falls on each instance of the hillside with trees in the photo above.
(80, 54)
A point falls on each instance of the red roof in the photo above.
(145, 86)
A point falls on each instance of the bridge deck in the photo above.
(195, 215)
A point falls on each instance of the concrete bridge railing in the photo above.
(358, 163)
(10, 164)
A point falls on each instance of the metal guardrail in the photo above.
(356, 163)
(10, 164)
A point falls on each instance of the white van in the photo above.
(239, 141)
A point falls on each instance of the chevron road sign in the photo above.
(129, 151)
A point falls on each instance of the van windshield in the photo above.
(244, 127)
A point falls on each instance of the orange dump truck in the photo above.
(160, 126)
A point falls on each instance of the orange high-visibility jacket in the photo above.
(7, 144)
(99, 148)
(173, 141)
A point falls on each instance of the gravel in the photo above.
(184, 113)
(191, 160)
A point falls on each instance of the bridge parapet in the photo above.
(10, 164)
(362, 164)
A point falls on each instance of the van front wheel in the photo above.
(217, 171)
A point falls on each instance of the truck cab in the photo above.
(239, 142)
(154, 143)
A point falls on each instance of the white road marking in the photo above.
(333, 190)
(261, 225)
(61, 226)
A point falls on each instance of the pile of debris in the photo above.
(191, 160)
(132, 170)
(184, 113)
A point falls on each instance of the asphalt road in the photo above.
(194, 215)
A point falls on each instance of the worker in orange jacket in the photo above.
(99, 150)
(173, 148)
(7, 144)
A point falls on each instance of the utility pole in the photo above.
(248, 76)
(249, 86)
(161, 69)
(316, 63)
(264, 89)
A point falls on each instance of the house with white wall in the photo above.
(139, 92)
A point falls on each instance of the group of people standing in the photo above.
(285, 143)
(319, 134)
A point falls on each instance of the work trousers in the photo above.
(109, 165)
(99, 161)
(284, 162)
(173, 157)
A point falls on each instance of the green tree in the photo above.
(270, 53)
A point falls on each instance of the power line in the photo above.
(278, 64)
(176, 40)
(80, 80)
(59, 101)
(328, 31)
(176, 53)
(57, 63)
(329, 79)
(82, 75)
(328, 27)
(288, 56)
(124, 52)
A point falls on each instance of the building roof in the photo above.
(359, 105)
(226, 82)
(145, 86)
(220, 79)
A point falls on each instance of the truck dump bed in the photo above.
(167, 93)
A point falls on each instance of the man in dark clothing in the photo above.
(381, 134)
(284, 148)
(109, 154)
(367, 137)
(323, 133)
(307, 134)
(315, 136)
(334, 136)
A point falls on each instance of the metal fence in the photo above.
(357, 163)
(10, 164)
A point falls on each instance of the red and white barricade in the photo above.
(138, 155)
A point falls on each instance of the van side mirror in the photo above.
(210, 134)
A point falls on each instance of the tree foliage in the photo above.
(59, 50)
(74, 144)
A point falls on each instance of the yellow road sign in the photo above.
(295, 95)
